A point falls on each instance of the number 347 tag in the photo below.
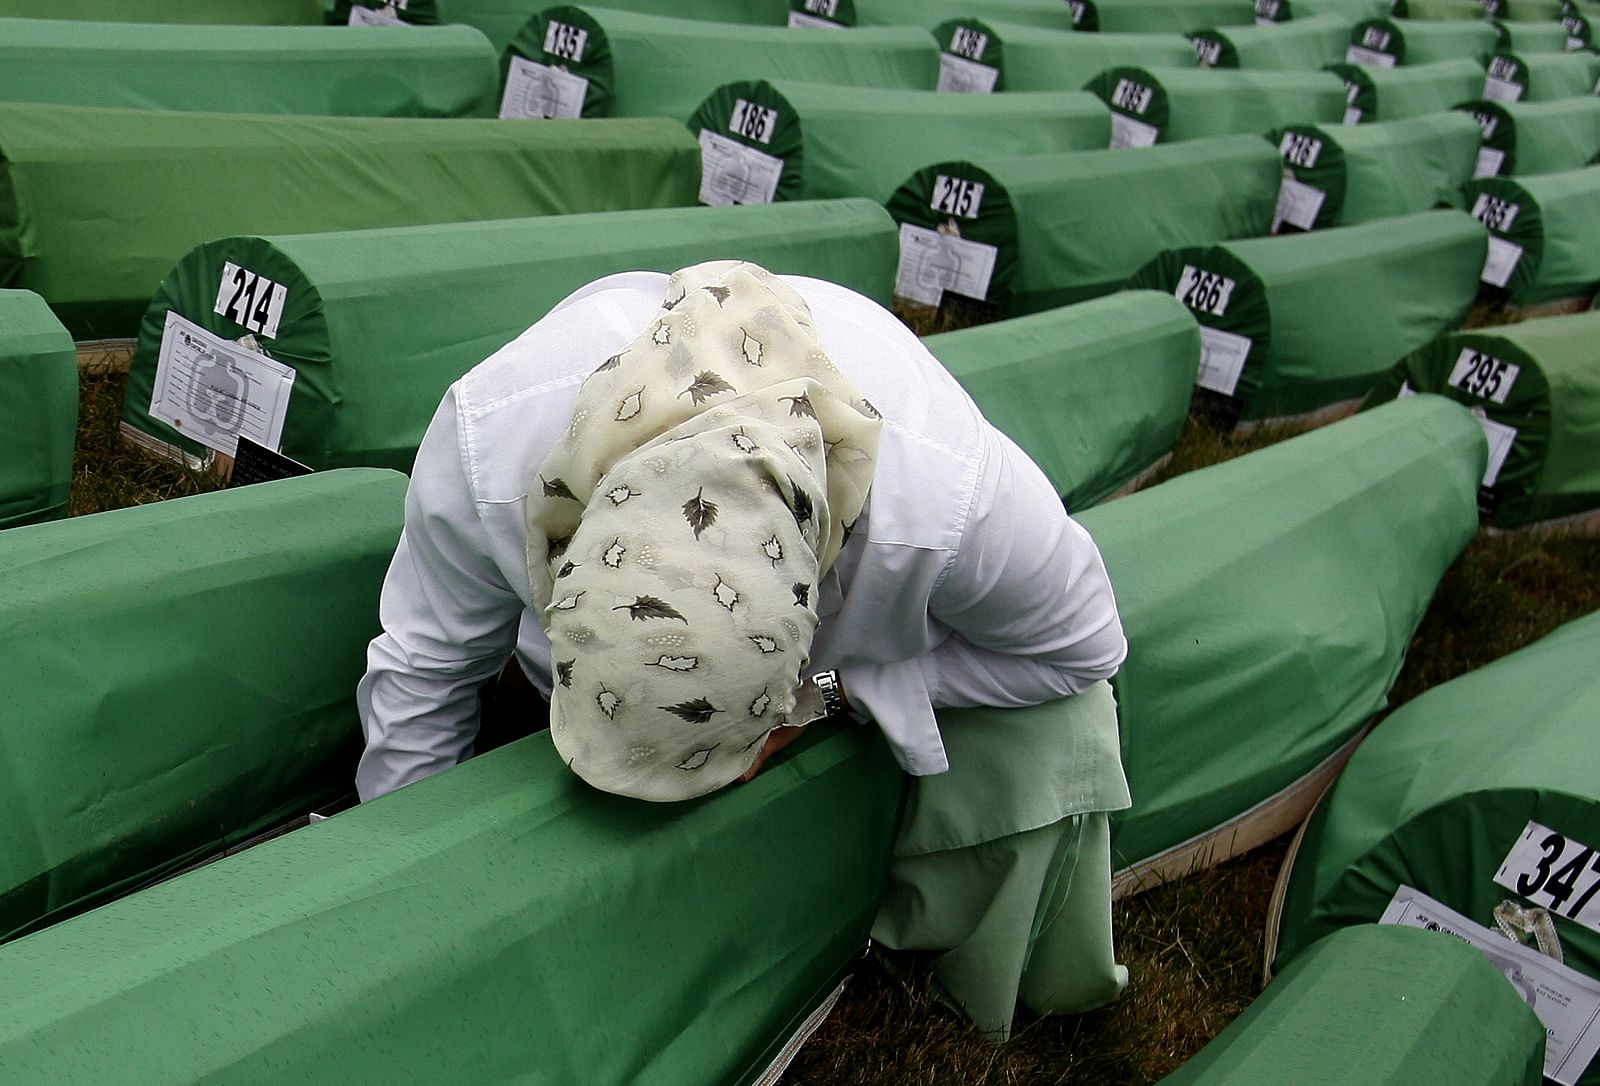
(1550, 869)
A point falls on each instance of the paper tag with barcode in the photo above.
(932, 263)
(1298, 204)
(1203, 290)
(249, 300)
(384, 16)
(535, 90)
(960, 76)
(1553, 870)
(214, 392)
(801, 21)
(1501, 90)
(1357, 55)
(1484, 376)
(1222, 359)
(732, 173)
(1500, 437)
(1127, 132)
(1489, 162)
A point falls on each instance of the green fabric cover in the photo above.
(1313, 42)
(1376, 171)
(97, 204)
(1094, 393)
(1186, 104)
(1328, 312)
(1049, 14)
(1268, 602)
(1552, 403)
(1379, 1006)
(1557, 225)
(1542, 77)
(502, 20)
(1439, 10)
(221, 12)
(1283, 11)
(1072, 227)
(652, 66)
(182, 676)
(1436, 796)
(1538, 137)
(840, 141)
(1029, 59)
(415, 12)
(364, 71)
(1527, 10)
(1543, 36)
(1415, 41)
(1580, 30)
(38, 410)
(372, 363)
(1159, 16)
(499, 922)
(1388, 94)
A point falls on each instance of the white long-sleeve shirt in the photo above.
(964, 582)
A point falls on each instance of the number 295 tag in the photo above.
(1550, 869)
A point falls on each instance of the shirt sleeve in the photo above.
(449, 624)
(1026, 597)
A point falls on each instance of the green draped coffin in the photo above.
(762, 141)
(1385, 43)
(1580, 28)
(1312, 42)
(1381, 1006)
(1544, 233)
(499, 922)
(1536, 390)
(1526, 10)
(1376, 93)
(1440, 11)
(1296, 323)
(38, 410)
(1283, 11)
(1261, 645)
(1050, 14)
(988, 55)
(502, 20)
(596, 62)
(376, 324)
(1338, 175)
(384, 13)
(1480, 791)
(1537, 137)
(254, 13)
(1158, 16)
(1032, 233)
(366, 72)
(1156, 105)
(1541, 36)
(1095, 393)
(97, 204)
(182, 676)
(1541, 77)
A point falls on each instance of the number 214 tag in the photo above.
(1550, 869)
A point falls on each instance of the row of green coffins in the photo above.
(1116, 16)
(985, 55)
(97, 204)
(1463, 811)
(366, 72)
(1544, 229)
(1541, 77)
(38, 411)
(1376, 93)
(597, 62)
(222, 12)
(1537, 137)
(464, 889)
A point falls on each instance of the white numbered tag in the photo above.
(960, 76)
(828, 9)
(969, 43)
(535, 90)
(1484, 376)
(566, 42)
(1357, 55)
(213, 391)
(1298, 204)
(957, 196)
(384, 16)
(1500, 437)
(1495, 213)
(1207, 51)
(249, 300)
(1551, 869)
(732, 173)
(1487, 122)
(1489, 162)
(1132, 96)
(753, 122)
(1352, 116)
(1222, 358)
(800, 21)
(932, 263)
(1127, 132)
(1203, 290)
(1298, 150)
(1267, 11)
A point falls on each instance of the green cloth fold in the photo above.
(38, 410)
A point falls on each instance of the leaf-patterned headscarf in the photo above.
(678, 533)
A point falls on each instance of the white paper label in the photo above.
(1352, 116)
(957, 196)
(800, 21)
(249, 300)
(384, 16)
(753, 122)
(1205, 291)
(1132, 96)
(1222, 357)
(1127, 132)
(566, 42)
(1298, 150)
(1262, 20)
(731, 173)
(539, 90)
(1501, 90)
(1207, 51)
(932, 263)
(1566, 1001)
(1550, 869)
(1574, 44)
(214, 392)
(1501, 261)
(1486, 377)
(958, 76)
(1501, 437)
(1298, 204)
(1489, 162)
(1495, 213)
(1357, 55)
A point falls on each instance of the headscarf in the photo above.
(678, 533)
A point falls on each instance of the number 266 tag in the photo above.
(1550, 869)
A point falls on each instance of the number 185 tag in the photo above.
(1551, 869)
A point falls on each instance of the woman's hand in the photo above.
(777, 739)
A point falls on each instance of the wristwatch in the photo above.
(830, 693)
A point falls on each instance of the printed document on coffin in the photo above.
(213, 391)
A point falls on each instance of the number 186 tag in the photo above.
(1551, 869)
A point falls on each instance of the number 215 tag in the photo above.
(1550, 869)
